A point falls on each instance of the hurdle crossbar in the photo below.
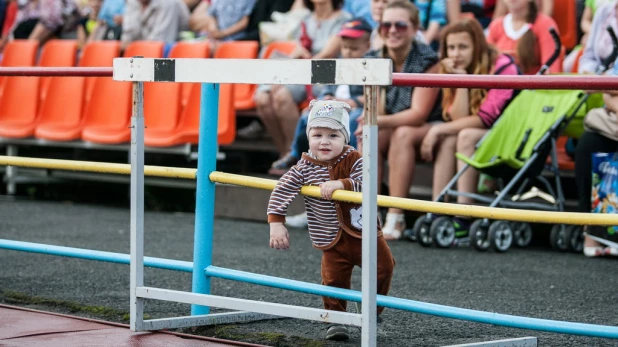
(518, 215)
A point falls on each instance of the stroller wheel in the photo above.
(421, 229)
(559, 237)
(522, 233)
(500, 235)
(576, 238)
(478, 235)
(442, 232)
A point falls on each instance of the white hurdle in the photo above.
(210, 72)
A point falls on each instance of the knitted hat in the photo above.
(330, 114)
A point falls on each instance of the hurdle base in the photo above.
(205, 320)
(516, 342)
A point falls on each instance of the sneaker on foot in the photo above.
(252, 131)
(338, 333)
(299, 221)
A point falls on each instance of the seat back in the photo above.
(565, 16)
(20, 99)
(190, 121)
(243, 93)
(110, 104)
(97, 54)
(189, 50)
(284, 47)
(56, 53)
(18, 53)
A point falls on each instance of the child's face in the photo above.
(326, 144)
(354, 48)
(460, 48)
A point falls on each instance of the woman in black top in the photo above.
(408, 113)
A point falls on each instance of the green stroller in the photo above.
(515, 151)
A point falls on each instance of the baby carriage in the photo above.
(514, 151)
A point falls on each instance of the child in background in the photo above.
(335, 227)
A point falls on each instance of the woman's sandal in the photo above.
(394, 225)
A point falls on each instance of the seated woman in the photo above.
(277, 106)
(408, 113)
(599, 44)
(524, 33)
(468, 113)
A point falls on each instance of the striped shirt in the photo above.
(325, 217)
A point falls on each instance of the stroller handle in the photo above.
(609, 60)
(555, 55)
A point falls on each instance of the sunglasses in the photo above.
(400, 27)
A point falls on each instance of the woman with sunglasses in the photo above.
(468, 113)
(406, 113)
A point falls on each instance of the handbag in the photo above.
(602, 121)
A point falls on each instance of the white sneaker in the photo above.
(299, 221)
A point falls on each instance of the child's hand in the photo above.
(327, 188)
(279, 236)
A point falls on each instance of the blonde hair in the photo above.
(483, 60)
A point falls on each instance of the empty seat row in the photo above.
(98, 109)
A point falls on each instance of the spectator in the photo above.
(377, 7)
(355, 43)
(599, 41)
(278, 106)
(468, 113)
(406, 113)
(524, 33)
(589, 143)
(227, 20)
(545, 6)
(110, 20)
(360, 9)
(155, 20)
(44, 19)
(432, 16)
(261, 13)
(9, 22)
(483, 10)
(89, 22)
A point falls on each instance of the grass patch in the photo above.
(65, 306)
(276, 339)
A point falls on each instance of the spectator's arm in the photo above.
(455, 126)
(461, 104)
(331, 49)
(500, 9)
(433, 32)
(298, 4)
(453, 10)
(547, 7)
(40, 33)
(423, 100)
(198, 21)
(586, 22)
(235, 28)
(82, 37)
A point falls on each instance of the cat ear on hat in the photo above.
(312, 102)
(345, 105)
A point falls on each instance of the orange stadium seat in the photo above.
(189, 50)
(243, 93)
(56, 53)
(163, 101)
(20, 95)
(188, 127)
(107, 116)
(285, 47)
(62, 111)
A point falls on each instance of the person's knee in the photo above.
(282, 98)
(466, 139)
(262, 99)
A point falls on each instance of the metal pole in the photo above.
(11, 171)
(370, 218)
(137, 206)
(205, 195)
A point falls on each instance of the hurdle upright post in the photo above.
(370, 221)
(205, 192)
(137, 207)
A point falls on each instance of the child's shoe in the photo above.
(338, 333)
(394, 225)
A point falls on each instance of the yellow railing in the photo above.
(383, 201)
